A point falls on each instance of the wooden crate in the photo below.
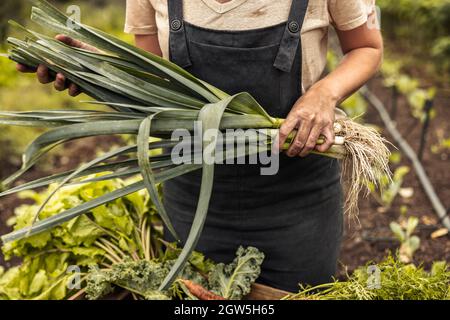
(263, 292)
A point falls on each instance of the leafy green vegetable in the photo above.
(115, 245)
(78, 235)
(197, 260)
(233, 281)
(38, 278)
(80, 241)
(141, 277)
(144, 277)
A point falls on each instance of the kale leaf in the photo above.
(234, 281)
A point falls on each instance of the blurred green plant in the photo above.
(389, 187)
(417, 101)
(9, 74)
(432, 15)
(23, 92)
(409, 243)
(9, 9)
(409, 87)
(396, 157)
(441, 51)
(442, 146)
(419, 28)
(355, 106)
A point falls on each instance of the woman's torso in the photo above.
(151, 16)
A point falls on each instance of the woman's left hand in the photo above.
(312, 116)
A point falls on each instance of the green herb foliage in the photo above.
(397, 281)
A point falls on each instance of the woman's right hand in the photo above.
(60, 82)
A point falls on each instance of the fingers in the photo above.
(329, 135)
(311, 141)
(309, 132)
(69, 41)
(25, 69)
(44, 77)
(75, 43)
(43, 74)
(60, 82)
(300, 139)
(74, 90)
(286, 128)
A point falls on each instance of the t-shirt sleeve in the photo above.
(140, 17)
(349, 14)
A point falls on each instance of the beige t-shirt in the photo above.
(151, 17)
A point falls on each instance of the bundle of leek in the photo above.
(149, 97)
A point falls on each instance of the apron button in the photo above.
(293, 27)
(175, 25)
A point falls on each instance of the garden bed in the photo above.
(366, 240)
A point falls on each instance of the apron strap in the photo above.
(291, 37)
(179, 53)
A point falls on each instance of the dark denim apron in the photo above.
(295, 216)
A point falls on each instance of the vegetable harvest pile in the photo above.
(149, 97)
(116, 245)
